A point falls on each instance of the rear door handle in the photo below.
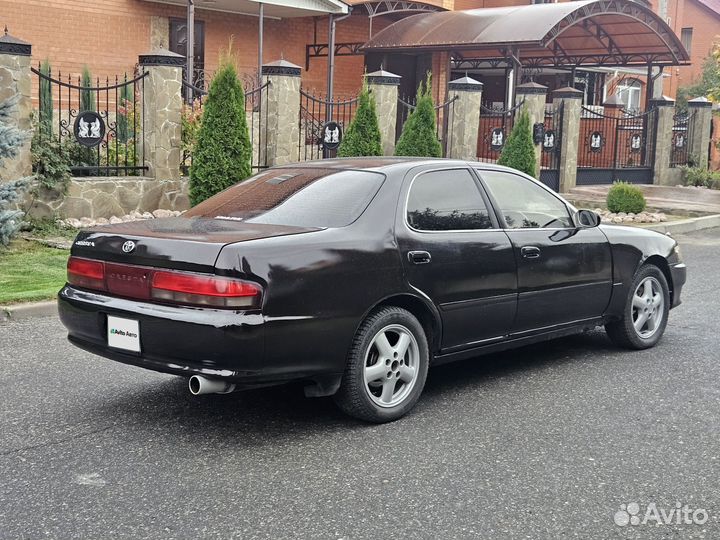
(530, 252)
(419, 257)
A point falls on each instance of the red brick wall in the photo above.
(108, 36)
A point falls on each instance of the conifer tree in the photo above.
(419, 133)
(11, 139)
(519, 150)
(223, 152)
(362, 137)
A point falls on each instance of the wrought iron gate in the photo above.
(443, 114)
(315, 111)
(550, 147)
(99, 126)
(683, 127)
(495, 126)
(620, 147)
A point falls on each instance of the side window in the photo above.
(445, 201)
(524, 204)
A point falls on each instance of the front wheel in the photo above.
(386, 367)
(646, 311)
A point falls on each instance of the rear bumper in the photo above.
(180, 340)
(678, 271)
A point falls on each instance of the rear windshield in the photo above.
(299, 197)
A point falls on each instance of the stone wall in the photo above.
(104, 197)
(15, 81)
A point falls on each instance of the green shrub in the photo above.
(87, 97)
(624, 197)
(46, 101)
(362, 137)
(82, 155)
(699, 177)
(519, 150)
(11, 140)
(50, 161)
(223, 151)
(419, 133)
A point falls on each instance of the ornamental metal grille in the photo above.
(100, 126)
(495, 126)
(683, 126)
(315, 112)
(616, 146)
(550, 147)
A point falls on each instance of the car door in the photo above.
(455, 253)
(564, 272)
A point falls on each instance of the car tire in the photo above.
(386, 367)
(645, 313)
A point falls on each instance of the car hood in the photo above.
(181, 243)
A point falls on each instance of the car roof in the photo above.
(386, 163)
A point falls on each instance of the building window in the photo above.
(629, 93)
(686, 38)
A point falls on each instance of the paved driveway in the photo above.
(545, 442)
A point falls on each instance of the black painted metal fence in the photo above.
(495, 126)
(111, 142)
(315, 111)
(550, 148)
(683, 125)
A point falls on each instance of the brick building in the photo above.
(108, 36)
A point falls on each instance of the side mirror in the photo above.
(587, 219)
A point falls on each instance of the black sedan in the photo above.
(354, 276)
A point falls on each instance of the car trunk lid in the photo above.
(191, 244)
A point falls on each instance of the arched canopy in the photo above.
(589, 32)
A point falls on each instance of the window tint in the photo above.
(446, 200)
(305, 197)
(524, 204)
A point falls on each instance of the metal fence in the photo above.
(315, 112)
(550, 147)
(683, 124)
(495, 126)
(100, 126)
(618, 146)
(256, 111)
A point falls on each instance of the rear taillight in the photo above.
(144, 283)
(86, 273)
(201, 290)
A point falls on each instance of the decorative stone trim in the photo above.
(383, 77)
(531, 89)
(567, 93)
(13, 45)
(466, 84)
(700, 102)
(161, 57)
(281, 70)
(662, 102)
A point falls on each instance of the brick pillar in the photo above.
(571, 101)
(534, 95)
(464, 117)
(162, 112)
(699, 142)
(281, 137)
(383, 87)
(15, 82)
(660, 126)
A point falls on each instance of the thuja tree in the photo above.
(82, 155)
(419, 133)
(362, 137)
(87, 97)
(519, 151)
(11, 139)
(223, 150)
(46, 101)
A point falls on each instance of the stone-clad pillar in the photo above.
(162, 113)
(535, 96)
(699, 146)
(570, 100)
(383, 87)
(464, 117)
(281, 137)
(15, 82)
(660, 126)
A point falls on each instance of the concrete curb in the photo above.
(29, 310)
(685, 225)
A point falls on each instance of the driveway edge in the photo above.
(28, 310)
(686, 225)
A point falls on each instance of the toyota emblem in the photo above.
(128, 246)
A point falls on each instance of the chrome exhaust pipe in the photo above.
(202, 385)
